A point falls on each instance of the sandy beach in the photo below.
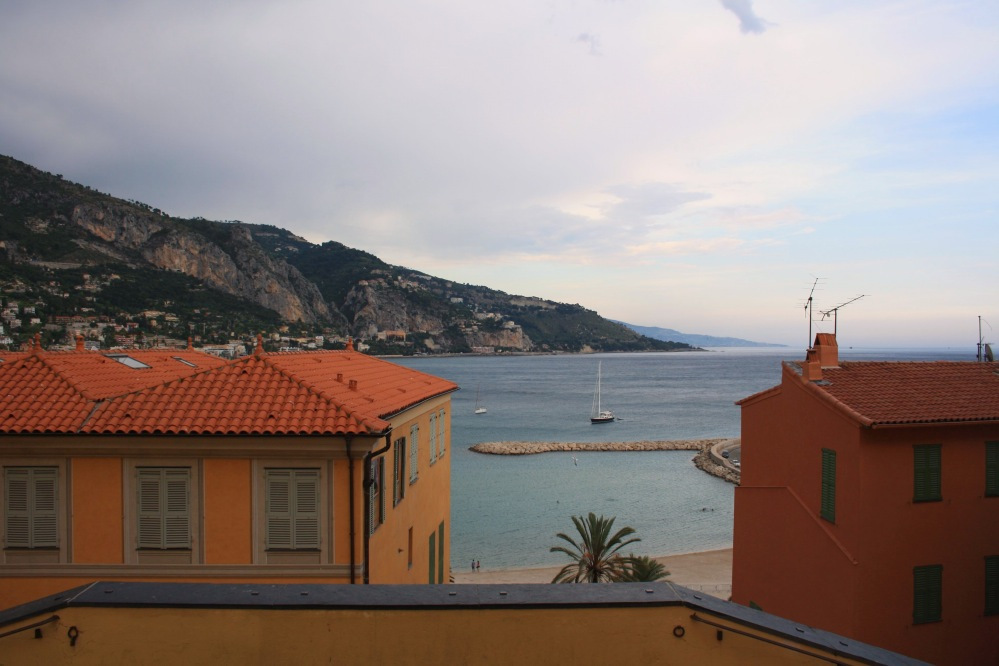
(709, 571)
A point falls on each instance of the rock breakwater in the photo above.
(530, 448)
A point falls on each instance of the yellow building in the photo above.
(174, 465)
(620, 623)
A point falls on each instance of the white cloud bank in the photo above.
(654, 161)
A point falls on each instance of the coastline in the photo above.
(707, 571)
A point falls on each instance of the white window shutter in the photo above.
(306, 520)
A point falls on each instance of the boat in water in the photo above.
(597, 413)
(479, 408)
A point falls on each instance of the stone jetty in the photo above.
(708, 458)
(529, 448)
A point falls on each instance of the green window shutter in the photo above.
(926, 465)
(433, 555)
(827, 507)
(381, 493)
(441, 441)
(440, 553)
(927, 593)
(397, 471)
(31, 507)
(992, 469)
(372, 497)
(992, 585)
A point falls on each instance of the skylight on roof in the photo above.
(125, 359)
(184, 361)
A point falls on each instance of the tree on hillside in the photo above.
(595, 557)
(643, 569)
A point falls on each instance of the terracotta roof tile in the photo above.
(897, 392)
(188, 392)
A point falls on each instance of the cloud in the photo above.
(590, 40)
(748, 20)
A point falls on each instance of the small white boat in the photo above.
(479, 408)
(597, 413)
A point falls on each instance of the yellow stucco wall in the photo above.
(96, 513)
(609, 635)
(227, 510)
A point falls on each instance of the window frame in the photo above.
(441, 441)
(927, 594)
(414, 453)
(55, 554)
(992, 585)
(827, 500)
(399, 483)
(134, 554)
(927, 485)
(992, 469)
(433, 438)
(262, 554)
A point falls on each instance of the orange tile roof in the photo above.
(189, 392)
(879, 393)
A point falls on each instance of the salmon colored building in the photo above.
(174, 465)
(869, 503)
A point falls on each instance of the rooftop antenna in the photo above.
(835, 311)
(808, 309)
(984, 349)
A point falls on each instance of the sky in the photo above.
(701, 165)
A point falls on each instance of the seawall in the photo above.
(704, 460)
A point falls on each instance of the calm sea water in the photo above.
(506, 510)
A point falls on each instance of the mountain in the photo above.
(695, 339)
(75, 261)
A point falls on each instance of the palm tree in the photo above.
(643, 569)
(595, 558)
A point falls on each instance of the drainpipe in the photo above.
(350, 482)
(367, 501)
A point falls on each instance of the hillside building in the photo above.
(869, 503)
(176, 465)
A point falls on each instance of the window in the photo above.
(926, 486)
(927, 588)
(127, 360)
(433, 438)
(992, 585)
(441, 441)
(433, 555)
(827, 508)
(163, 502)
(414, 453)
(31, 519)
(992, 469)
(399, 467)
(291, 508)
(376, 494)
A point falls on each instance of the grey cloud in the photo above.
(748, 20)
(638, 206)
(590, 40)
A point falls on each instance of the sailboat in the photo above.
(597, 413)
(479, 408)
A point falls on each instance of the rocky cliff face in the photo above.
(246, 271)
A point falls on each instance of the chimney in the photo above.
(823, 354)
(352, 385)
(79, 343)
(350, 345)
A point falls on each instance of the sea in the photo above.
(506, 510)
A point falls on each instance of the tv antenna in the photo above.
(984, 348)
(808, 309)
(834, 311)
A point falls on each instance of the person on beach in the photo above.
(478, 565)
(473, 566)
